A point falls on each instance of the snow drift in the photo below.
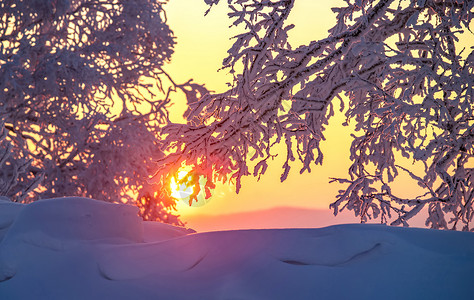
(76, 248)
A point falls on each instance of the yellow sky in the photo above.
(202, 43)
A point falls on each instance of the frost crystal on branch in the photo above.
(410, 90)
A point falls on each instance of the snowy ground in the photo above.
(75, 248)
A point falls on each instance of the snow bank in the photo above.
(340, 262)
(74, 218)
(155, 231)
(84, 249)
(8, 213)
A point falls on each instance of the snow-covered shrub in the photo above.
(78, 93)
(410, 90)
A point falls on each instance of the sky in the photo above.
(202, 43)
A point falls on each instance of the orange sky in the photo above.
(202, 43)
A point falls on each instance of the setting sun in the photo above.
(188, 187)
(181, 187)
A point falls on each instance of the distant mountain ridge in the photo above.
(278, 217)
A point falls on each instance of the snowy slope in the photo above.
(75, 248)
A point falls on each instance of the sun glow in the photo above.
(188, 187)
(180, 186)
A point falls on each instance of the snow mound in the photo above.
(155, 231)
(75, 248)
(8, 213)
(74, 218)
(60, 224)
(329, 263)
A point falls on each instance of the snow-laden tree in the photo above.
(12, 171)
(79, 84)
(410, 91)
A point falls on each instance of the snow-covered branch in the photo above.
(409, 87)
